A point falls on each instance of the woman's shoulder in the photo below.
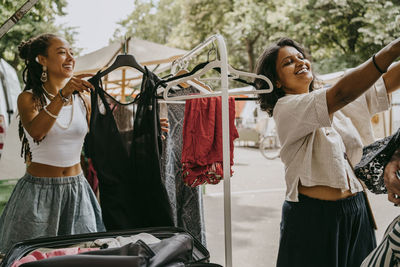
(295, 105)
(25, 98)
(300, 98)
(26, 94)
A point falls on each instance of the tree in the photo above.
(339, 34)
(151, 20)
(245, 24)
(343, 33)
(38, 20)
(248, 26)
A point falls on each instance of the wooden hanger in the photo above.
(194, 82)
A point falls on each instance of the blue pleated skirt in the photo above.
(43, 207)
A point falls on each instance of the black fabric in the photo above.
(125, 150)
(173, 250)
(197, 68)
(90, 261)
(374, 160)
(173, 78)
(317, 233)
(202, 265)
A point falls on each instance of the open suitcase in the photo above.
(199, 254)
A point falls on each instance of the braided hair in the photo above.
(28, 51)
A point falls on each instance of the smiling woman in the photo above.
(325, 218)
(53, 197)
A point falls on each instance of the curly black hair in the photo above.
(266, 65)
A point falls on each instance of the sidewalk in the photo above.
(257, 194)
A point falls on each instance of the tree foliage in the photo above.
(39, 19)
(343, 33)
(338, 33)
(151, 20)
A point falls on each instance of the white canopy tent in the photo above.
(120, 82)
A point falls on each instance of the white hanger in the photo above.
(209, 66)
(198, 87)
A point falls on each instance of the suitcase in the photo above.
(200, 255)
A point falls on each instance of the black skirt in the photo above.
(324, 233)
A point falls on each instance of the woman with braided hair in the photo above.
(53, 197)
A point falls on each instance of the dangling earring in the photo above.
(43, 78)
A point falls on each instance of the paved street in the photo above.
(258, 190)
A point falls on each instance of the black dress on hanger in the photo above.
(125, 150)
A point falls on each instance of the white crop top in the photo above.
(62, 147)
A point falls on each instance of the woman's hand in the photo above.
(392, 182)
(164, 126)
(76, 83)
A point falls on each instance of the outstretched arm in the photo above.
(392, 78)
(357, 81)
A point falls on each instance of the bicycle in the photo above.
(269, 144)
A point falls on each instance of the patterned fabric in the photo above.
(388, 251)
(186, 202)
(374, 160)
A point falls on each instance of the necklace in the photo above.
(47, 92)
(70, 120)
(72, 110)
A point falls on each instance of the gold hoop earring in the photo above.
(43, 77)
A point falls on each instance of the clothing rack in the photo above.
(236, 99)
(224, 77)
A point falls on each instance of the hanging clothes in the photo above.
(202, 157)
(125, 150)
(187, 202)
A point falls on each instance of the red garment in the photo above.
(37, 255)
(202, 157)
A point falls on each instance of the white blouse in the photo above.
(313, 145)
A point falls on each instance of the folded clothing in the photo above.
(37, 255)
(171, 252)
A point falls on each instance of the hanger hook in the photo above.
(211, 51)
(183, 64)
(186, 63)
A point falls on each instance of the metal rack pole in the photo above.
(226, 150)
(225, 133)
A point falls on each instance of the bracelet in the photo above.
(376, 65)
(63, 98)
(49, 113)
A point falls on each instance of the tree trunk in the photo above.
(250, 51)
(250, 54)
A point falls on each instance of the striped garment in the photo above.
(387, 254)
